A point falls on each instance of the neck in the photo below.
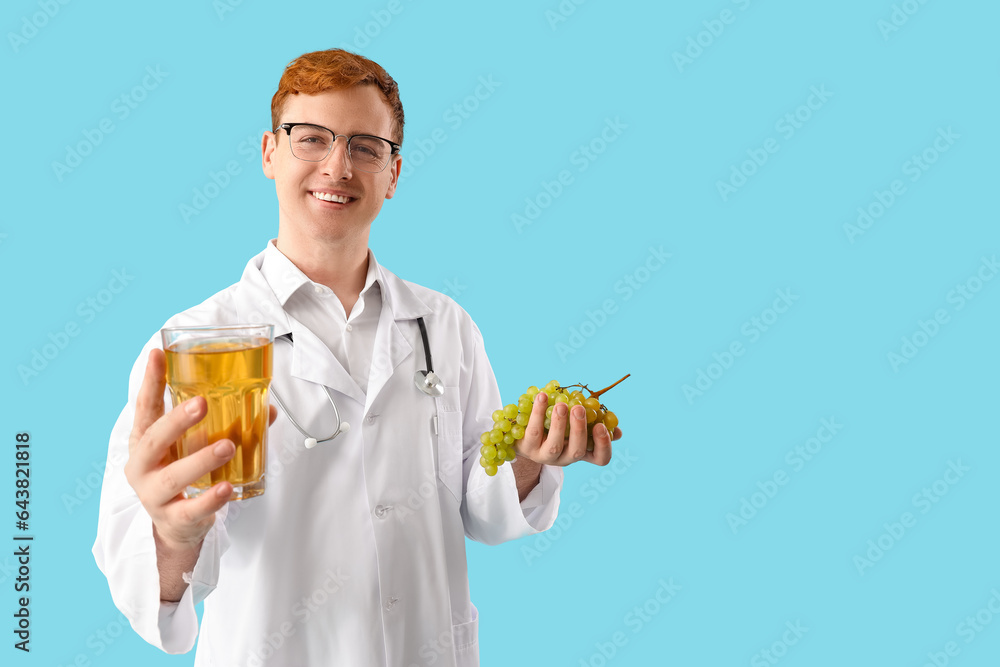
(342, 266)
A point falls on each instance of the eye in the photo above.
(369, 148)
(312, 139)
(305, 135)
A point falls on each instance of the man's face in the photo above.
(357, 110)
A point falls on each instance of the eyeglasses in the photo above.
(313, 143)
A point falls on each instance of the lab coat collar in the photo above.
(396, 294)
(398, 297)
(255, 301)
(285, 279)
(392, 346)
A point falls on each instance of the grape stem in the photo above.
(597, 394)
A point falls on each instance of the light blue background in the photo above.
(662, 517)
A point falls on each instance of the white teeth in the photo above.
(328, 197)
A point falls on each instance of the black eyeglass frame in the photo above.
(287, 127)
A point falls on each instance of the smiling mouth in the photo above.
(326, 196)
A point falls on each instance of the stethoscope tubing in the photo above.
(426, 381)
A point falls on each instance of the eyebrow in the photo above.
(371, 134)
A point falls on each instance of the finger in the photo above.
(167, 483)
(535, 430)
(601, 455)
(576, 447)
(153, 445)
(149, 404)
(187, 521)
(617, 434)
(555, 443)
(272, 415)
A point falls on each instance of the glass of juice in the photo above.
(231, 367)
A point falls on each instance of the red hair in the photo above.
(336, 69)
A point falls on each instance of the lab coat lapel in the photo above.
(391, 343)
(312, 360)
(255, 302)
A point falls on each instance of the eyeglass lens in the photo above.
(313, 144)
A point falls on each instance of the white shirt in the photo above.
(355, 553)
(352, 338)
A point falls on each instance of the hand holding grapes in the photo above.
(552, 426)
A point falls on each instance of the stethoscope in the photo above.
(426, 381)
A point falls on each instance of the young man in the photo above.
(355, 553)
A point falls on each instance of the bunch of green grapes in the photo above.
(510, 422)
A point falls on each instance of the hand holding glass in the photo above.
(231, 367)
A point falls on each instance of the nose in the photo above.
(338, 163)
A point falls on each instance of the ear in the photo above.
(268, 144)
(394, 168)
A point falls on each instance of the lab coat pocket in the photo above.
(449, 442)
(465, 638)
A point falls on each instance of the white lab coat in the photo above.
(355, 553)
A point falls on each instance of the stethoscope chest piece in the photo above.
(429, 383)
